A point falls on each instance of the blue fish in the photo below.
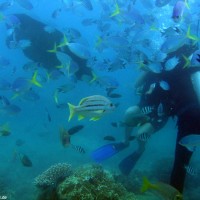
(12, 21)
(161, 3)
(5, 5)
(190, 141)
(87, 4)
(195, 61)
(178, 11)
(25, 4)
(21, 84)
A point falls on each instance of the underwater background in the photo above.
(32, 115)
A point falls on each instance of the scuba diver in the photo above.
(182, 99)
(37, 44)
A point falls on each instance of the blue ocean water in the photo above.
(119, 42)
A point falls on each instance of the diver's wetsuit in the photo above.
(187, 109)
(42, 41)
(153, 99)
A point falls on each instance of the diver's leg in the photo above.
(182, 159)
(128, 163)
(145, 131)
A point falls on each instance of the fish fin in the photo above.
(54, 50)
(82, 100)
(71, 111)
(107, 151)
(34, 80)
(80, 117)
(94, 118)
(64, 43)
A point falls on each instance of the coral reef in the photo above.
(91, 182)
(52, 176)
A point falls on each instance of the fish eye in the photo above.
(111, 105)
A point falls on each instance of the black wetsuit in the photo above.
(181, 101)
(186, 107)
(153, 99)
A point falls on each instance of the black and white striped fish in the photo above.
(144, 137)
(147, 109)
(191, 171)
(79, 149)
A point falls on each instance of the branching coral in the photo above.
(53, 175)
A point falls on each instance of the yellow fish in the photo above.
(93, 107)
(167, 191)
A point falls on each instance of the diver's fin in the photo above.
(107, 151)
(127, 164)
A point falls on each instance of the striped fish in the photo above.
(93, 107)
(78, 149)
(147, 109)
(144, 137)
(191, 171)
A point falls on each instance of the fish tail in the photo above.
(15, 96)
(146, 185)
(187, 4)
(190, 36)
(34, 80)
(116, 11)
(99, 41)
(94, 77)
(187, 62)
(6, 127)
(71, 111)
(54, 50)
(64, 43)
